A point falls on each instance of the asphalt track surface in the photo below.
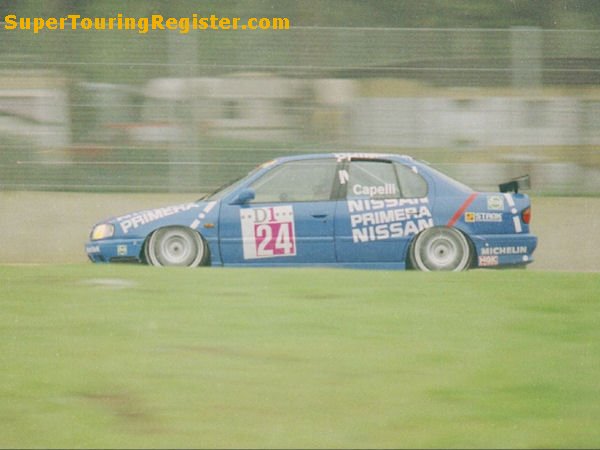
(51, 227)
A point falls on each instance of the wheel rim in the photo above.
(441, 249)
(175, 247)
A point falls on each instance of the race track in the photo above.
(51, 227)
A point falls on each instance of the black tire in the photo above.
(441, 248)
(176, 246)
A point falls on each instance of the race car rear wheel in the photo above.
(441, 248)
(176, 246)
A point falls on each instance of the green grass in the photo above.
(297, 358)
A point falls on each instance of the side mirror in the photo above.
(245, 196)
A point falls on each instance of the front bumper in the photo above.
(115, 250)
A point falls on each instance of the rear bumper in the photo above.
(114, 250)
(504, 250)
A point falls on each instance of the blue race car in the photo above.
(340, 209)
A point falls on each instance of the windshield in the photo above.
(227, 188)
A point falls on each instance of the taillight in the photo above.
(526, 215)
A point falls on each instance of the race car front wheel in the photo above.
(175, 246)
(441, 248)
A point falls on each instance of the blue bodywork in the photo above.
(365, 231)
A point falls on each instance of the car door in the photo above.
(383, 205)
(289, 221)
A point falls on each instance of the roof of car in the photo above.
(341, 156)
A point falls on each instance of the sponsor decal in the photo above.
(208, 208)
(372, 191)
(93, 249)
(374, 220)
(510, 250)
(348, 156)
(509, 199)
(132, 221)
(495, 203)
(268, 232)
(471, 217)
(459, 212)
(517, 222)
(344, 176)
(121, 250)
(488, 260)
(388, 203)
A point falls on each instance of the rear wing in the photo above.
(515, 184)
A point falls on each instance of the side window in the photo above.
(372, 179)
(297, 181)
(412, 185)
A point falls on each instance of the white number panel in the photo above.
(268, 232)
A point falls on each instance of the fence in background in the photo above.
(121, 111)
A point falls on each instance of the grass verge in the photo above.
(127, 356)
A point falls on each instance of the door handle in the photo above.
(319, 215)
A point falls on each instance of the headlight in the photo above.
(103, 231)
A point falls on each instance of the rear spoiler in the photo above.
(515, 184)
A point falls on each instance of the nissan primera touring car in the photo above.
(339, 209)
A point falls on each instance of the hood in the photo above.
(139, 223)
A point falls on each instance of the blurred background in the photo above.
(485, 90)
